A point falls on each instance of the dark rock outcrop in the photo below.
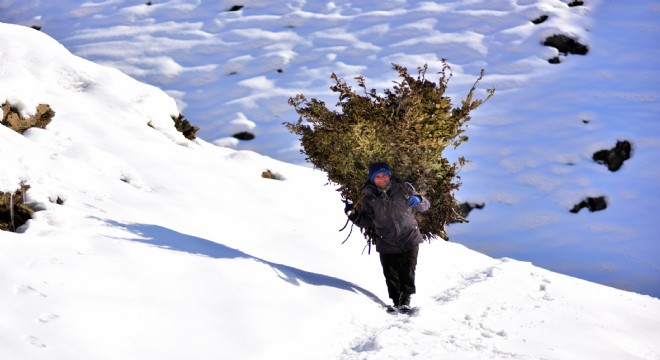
(576, 3)
(566, 45)
(244, 135)
(466, 207)
(539, 20)
(614, 158)
(591, 203)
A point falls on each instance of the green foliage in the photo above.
(408, 126)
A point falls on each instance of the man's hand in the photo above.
(414, 200)
(349, 210)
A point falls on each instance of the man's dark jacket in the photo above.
(391, 216)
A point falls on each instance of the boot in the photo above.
(395, 307)
(404, 303)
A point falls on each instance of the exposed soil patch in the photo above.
(12, 118)
(13, 211)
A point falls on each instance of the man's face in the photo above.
(382, 180)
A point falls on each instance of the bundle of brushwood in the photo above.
(408, 127)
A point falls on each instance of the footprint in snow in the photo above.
(47, 317)
(27, 290)
(468, 280)
(488, 332)
(35, 341)
(543, 287)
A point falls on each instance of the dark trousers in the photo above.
(399, 271)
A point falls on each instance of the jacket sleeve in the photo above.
(424, 204)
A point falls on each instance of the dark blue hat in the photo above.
(378, 168)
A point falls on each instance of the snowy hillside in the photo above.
(232, 65)
(147, 245)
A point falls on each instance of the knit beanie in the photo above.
(378, 168)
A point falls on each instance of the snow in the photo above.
(166, 248)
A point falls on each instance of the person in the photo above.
(389, 205)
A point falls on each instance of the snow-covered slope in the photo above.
(165, 248)
(531, 145)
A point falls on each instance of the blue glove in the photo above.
(414, 200)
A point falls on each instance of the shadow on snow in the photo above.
(171, 240)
